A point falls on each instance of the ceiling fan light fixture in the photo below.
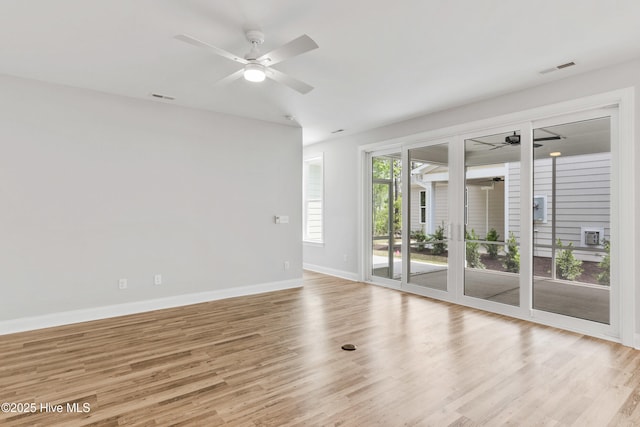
(512, 139)
(254, 72)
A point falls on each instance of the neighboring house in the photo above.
(485, 198)
(493, 197)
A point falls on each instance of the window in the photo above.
(313, 195)
(423, 207)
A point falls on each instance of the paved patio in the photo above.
(590, 302)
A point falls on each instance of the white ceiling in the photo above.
(379, 61)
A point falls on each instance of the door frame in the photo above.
(449, 294)
(613, 329)
(366, 274)
(623, 209)
(526, 217)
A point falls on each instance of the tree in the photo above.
(397, 215)
(388, 169)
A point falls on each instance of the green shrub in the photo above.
(473, 252)
(419, 237)
(512, 260)
(492, 250)
(439, 245)
(567, 266)
(604, 278)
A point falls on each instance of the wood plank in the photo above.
(275, 359)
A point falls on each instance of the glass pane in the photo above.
(571, 239)
(386, 217)
(313, 229)
(429, 216)
(381, 168)
(492, 220)
(312, 205)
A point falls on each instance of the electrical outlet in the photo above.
(122, 284)
(286, 265)
(157, 279)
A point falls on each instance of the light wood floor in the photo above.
(275, 359)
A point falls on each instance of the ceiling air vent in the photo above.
(558, 67)
(568, 64)
(338, 131)
(167, 97)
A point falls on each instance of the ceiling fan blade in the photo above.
(199, 43)
(295, 47)
(231, 77)
(548, 138)
(482, 142)
(295, 84)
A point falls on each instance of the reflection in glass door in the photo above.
(571, 219)
(386, 216)
(429, 216)
(491, 217)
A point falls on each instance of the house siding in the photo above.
(482, 202)
(583, 192)
(442, 207)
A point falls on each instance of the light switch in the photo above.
(282, 219)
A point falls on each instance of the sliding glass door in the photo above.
(491, 217)
(572, 219)
(516, 219)
(386, 216)
(429, 216)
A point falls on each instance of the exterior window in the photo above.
(423, 207)
(313, 195)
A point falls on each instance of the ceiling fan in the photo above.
(515, 140)
(492, 180)
(257, 65)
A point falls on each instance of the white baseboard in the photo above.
(96, 313)
(331, 272)
(636, 341)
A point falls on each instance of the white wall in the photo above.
(95, 187)
(341, 155)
